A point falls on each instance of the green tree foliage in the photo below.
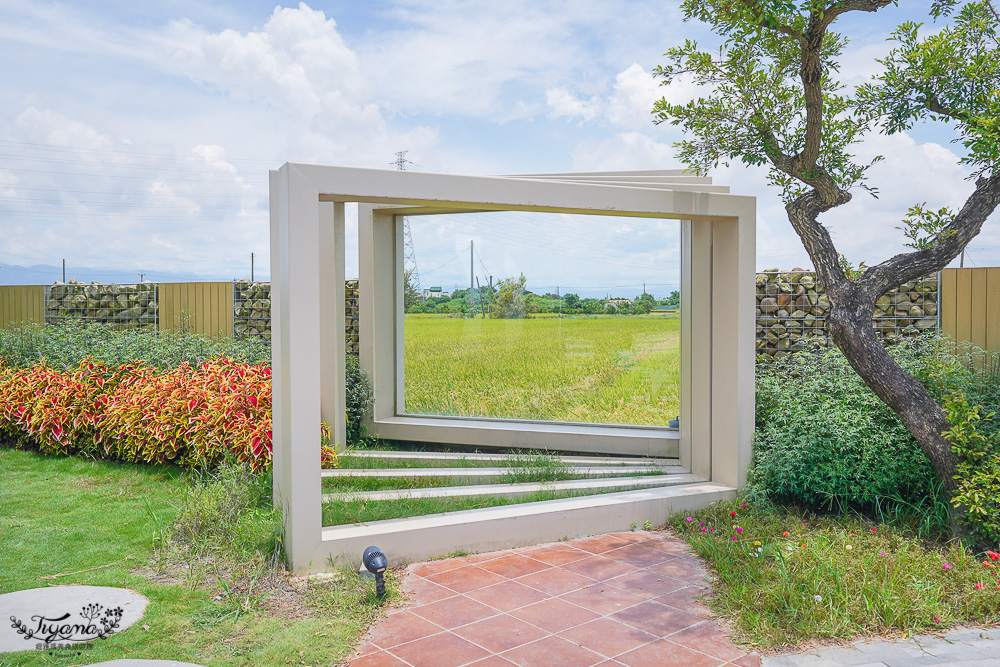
(772, 98)
(411, 297)
(509, 303)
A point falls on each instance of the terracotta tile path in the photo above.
(620, 599)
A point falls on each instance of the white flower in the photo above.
(818, 598)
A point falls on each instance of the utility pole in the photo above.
(409, 254)
(961, 263)
(251, 267)
(480, 290)
(491, 296)
(472, 249)
(64, 270)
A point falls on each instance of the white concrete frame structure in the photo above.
(307, 275)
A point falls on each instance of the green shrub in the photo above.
(63, 346)
(824, 439)
(359, 399)
(978, 470)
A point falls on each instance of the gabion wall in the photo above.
(127, 306)
(252, 311)
(792, 308)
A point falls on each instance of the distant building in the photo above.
(618, 303)
(433, 292)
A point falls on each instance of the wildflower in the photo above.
(734, 537)
(785, 534)
(805, 520)
(980, 587)
(703, 530)
(874, 530)
(739, 530)
(743, 506)
(848, 547)
(788, 548)
(689, 519)
(993, 555)
(803, 545)
(732, 513)
(882, 553)
(946, 565)
(756, 543)
(818, 598)
(711, 530)
(703, 523)
(936, 620)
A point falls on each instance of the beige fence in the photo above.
(970, 305)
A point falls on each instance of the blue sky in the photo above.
(137, 136)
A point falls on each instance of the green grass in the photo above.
(601, 369)
(833, 577)
(341, 512)
(74, 521)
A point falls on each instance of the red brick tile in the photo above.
(435, 566)
(465, 579)
(507, 595)
(443, 650)
(665, 653)
(708, 637)
(380, 659)
(401, 628)
(367, 648)
(671, 545)
(686, 569)
(453, 612)
(749, 660)
(607, 637)
(688, 599)
(639, 555)
(422, 591)
(552, 651)
(500, 633)
(555, 581)
(513, 566)
(556, 555)
(656, 618)
(637, 536)
(492, 661)
(598, 543)
(603, 599)
(646, 583)
(475, 559)
(554, 615)
(598, 568)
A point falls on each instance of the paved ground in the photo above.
(974, 647)
(621, 599)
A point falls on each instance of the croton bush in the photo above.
(194, 416)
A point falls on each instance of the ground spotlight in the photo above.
(376, 562)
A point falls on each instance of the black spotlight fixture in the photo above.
(376, 562)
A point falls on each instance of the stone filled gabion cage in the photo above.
(252, 312)
(792, 307)
(127, 306)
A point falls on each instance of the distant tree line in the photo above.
(510, 299)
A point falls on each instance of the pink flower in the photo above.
(936, 620)
(743, 506)
(734, 537)
(874, 531)
(739, 530)
(980, 586)
(703, 530)
(689, 519)
(946, 566)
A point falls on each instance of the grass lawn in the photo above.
(74, 521)
(783, 577)
(601, 369)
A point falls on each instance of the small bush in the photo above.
(359, 399)
(824, 439)
(978, 469)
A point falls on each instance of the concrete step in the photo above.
(473, 475)
(492, 528)
(579, 461)
(521, 488)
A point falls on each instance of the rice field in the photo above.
(597, 369)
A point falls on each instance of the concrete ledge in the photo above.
(579, 461)
(493, 528)
(631, 440)
(519, 489)
(466, 475)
